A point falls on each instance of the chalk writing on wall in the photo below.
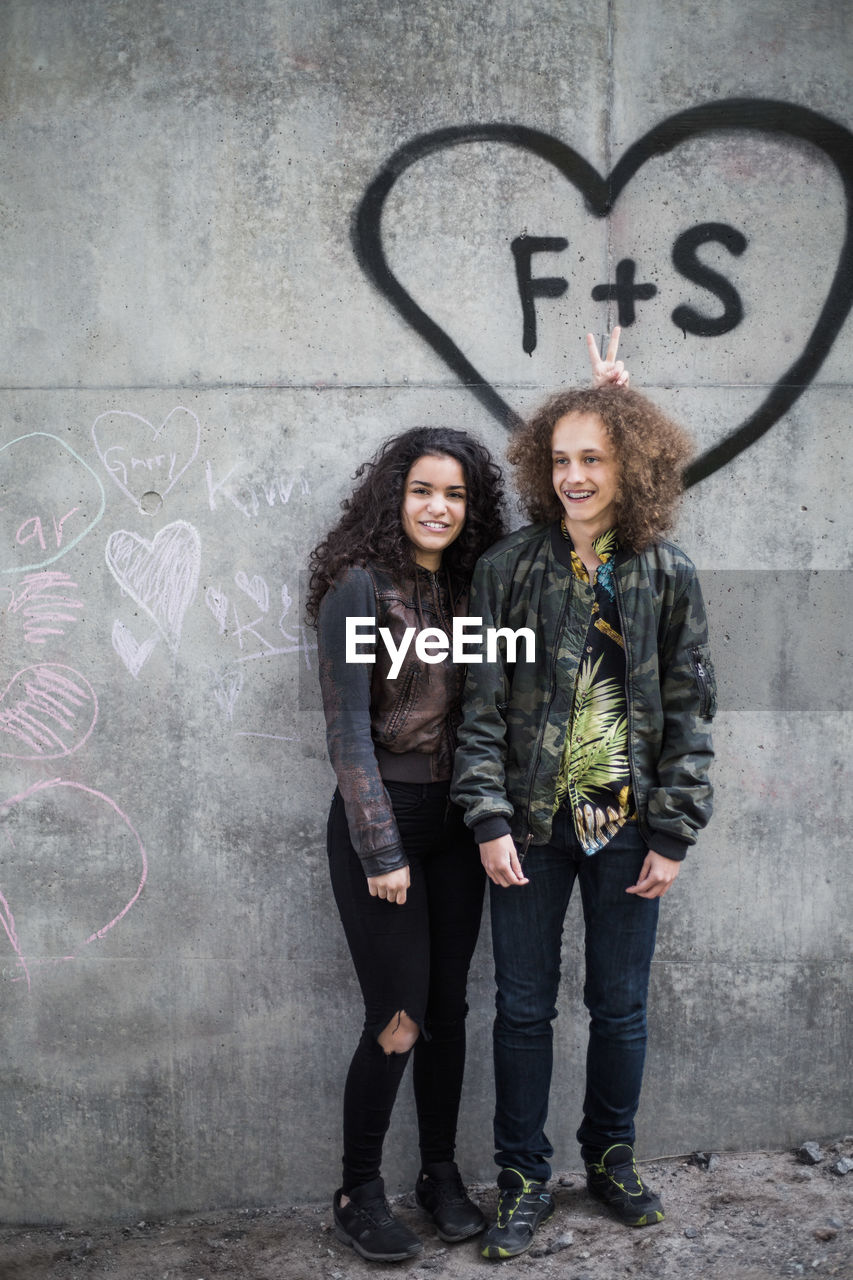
(251, 494)
(227, 687)
(46, 711)
(133, 653)
(46, 602)
(145, 461)
(251, 631)
(779, 120)
(44, 923)
(37, 526)
(161, 576)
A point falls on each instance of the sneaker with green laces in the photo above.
(616, 1182)
(522, 1206)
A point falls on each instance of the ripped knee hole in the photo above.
(400, 1034)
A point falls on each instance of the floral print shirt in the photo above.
(595, 780)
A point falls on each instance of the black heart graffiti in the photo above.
(600, 193)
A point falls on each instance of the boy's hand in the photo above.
(500, 859)
(607, 371)
(656, 876)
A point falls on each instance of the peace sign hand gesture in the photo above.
(607, 371)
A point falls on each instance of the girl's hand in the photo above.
(393, 886)
(607, 372)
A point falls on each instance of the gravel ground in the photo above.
(755, 1216)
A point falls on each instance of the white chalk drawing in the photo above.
(256, 590)
(46, 601)
(249, 496)
(273, 737)
(46, 711)
(286, 602)
(116, 878)
(251, 639)
(133, 654)
(227, 686)
(142, 458)
(161, 575)
(306, 645)
(36, 523)
(217, 603)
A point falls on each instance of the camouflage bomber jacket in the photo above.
(516, 715)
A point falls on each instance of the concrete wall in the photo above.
(196, 354)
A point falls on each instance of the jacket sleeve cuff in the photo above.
(491, 828)
(668, 846)
(380, 862)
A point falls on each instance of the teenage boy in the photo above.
(588, 765)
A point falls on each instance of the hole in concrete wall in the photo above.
(150, 502)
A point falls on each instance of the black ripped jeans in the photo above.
(410, 959)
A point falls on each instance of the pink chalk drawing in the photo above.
(161, 575)
(47, 711)
(46, 602)
(60, 893)
(38, 522)
(143, 459)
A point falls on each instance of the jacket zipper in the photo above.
(632, 771)
(436, 599)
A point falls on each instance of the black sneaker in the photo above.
(367, 1225)
(441, 1193)
(616, 1182)
(522, 1205)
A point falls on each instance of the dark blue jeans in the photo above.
(527, 928)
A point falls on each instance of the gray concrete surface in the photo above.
(195, 358)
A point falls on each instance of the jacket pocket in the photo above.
(404, 703)
(706, 681)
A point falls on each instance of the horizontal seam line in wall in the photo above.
(399, 386)
(840, 962)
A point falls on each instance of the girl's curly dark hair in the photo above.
(651, 449)
(371, 527)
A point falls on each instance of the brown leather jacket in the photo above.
(382, 729)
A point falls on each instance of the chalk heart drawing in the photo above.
(142, 458)
(133, 654)
(46, 711)
(71, 867)
(255, 588)
(779, 120)
(161, 575)
(227, 685)
(49, 499)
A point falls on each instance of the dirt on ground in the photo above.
(755, 1216)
